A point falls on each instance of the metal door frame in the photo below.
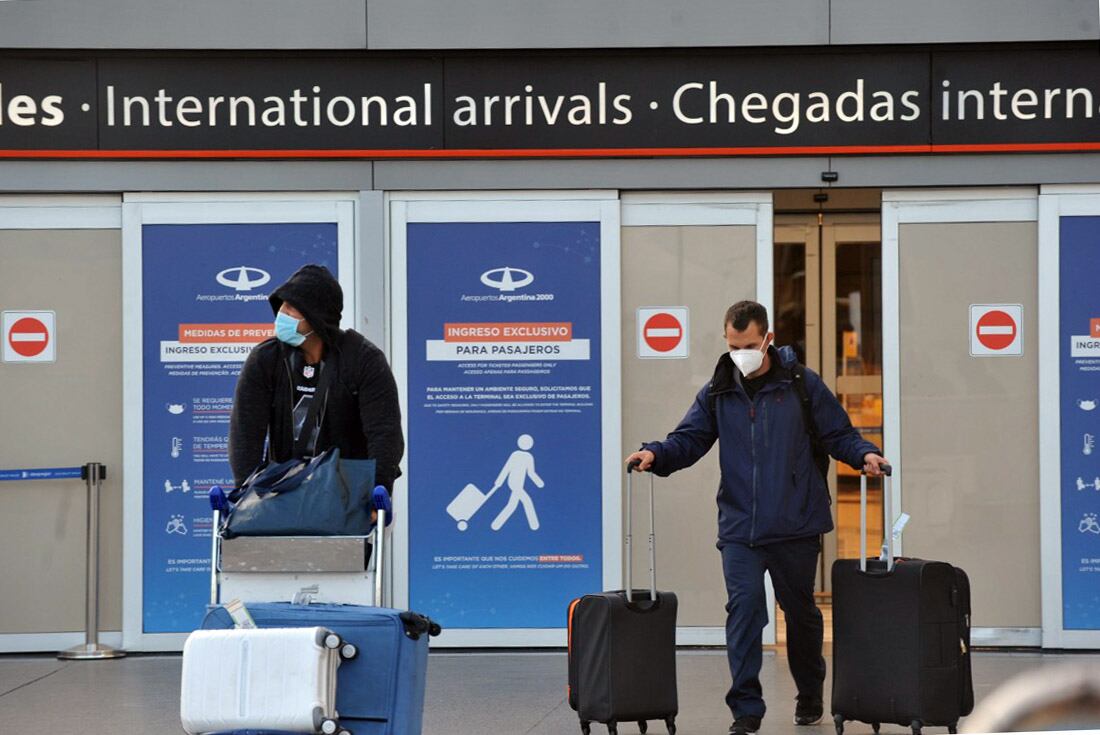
(686, 209)
(937, 206)
(1055, 202)
(59, 212)
(139, 209)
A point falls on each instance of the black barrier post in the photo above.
(93, 474)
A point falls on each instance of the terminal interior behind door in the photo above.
(828, 305)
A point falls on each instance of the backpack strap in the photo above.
(821, 456)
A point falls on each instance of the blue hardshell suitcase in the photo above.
(381, 691)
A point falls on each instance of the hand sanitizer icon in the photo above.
(1090, 442)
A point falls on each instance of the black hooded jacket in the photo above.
(362, 415)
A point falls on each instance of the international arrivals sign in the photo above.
(534, 104)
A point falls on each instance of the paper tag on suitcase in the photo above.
(241, 617)
(899, 525)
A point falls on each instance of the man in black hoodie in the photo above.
(359, 411)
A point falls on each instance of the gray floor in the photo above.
(505, 694)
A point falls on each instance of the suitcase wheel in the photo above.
(344, 732)
(838, 721)
(670, 723)
(643, 727)
(333, 641)
(612, 728)
(916, 726)
(347, 652)
(586, 728)
(953, 728)
(330, 727)
(875, 726)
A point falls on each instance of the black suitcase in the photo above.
(622, 649)
(901, 638)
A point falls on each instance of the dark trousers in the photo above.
(793, 566)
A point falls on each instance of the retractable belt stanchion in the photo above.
(93, 474)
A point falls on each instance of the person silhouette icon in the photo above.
(519, 467)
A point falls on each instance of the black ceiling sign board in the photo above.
(515, 104)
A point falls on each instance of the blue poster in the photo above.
(1079, 266)
(504, 437)
(204, 306)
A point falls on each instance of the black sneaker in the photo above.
(808, 711)
(744, 725)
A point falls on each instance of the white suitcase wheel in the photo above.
(333, 641)
(330, 727)
(349, 651)
(344, 732)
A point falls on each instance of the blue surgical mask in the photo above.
(286, 329)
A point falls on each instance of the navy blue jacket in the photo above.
(770, 488)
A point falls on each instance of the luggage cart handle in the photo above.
(887, 517)
(630, 468)
(383, 504)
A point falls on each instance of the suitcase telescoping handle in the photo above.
(630, 468)
(887, 554)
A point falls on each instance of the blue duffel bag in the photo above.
(381, 690)
(321, 496)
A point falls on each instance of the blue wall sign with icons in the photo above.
(504, 421)
(204, 306)
(1079, 337)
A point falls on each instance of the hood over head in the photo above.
(315, 292)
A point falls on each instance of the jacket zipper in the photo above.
(290, 378)
(752, 441)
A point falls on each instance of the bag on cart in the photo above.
(901, 637)
(381, 682)
(380, 689)
(322, 496)
(281, 679)
(622, 649)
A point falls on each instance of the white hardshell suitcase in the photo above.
(250, 678)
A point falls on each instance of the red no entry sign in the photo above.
(995, 329)
(29, 336)
(663, 332)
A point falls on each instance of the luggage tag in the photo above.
(305, 595)
(899, 526)
(241, 617)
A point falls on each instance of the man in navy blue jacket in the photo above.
(773, 500)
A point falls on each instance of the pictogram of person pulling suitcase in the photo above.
(516, 471)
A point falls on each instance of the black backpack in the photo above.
(821, 455)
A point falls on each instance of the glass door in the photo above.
(851, 286)
(828, 297)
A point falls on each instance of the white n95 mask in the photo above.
(749, 361)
